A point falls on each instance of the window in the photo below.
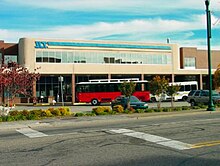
(100, 57)
(197, 93)
(187, 88)
(204, 93)
(190, 63)
(10, 58)
(64, 57)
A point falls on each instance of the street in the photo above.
(179, 139)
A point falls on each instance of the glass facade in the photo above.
(51, 86)
(102, 57)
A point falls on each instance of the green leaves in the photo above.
(172, 89)
(127, 88)
(159, 85)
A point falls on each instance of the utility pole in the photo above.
(208, 17)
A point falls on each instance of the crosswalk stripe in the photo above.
(155, 139)
(31, 133)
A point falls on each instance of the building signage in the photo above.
(44, 44)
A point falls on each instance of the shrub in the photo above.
(89, 114)
(50, 109)
(14, 113)
(167, 109)
(64, 111)
(46, 113)
(132, 110)
(178, 109)
(202, 106)
(149, 110)
(140, 110)
(185, 108)
(7, 118)
(25, 112)
(118, 109)
(19, 117)
(32, 117)
(195, 107)
(55, 112)
(36, 113)
(127, 111)
(102, 110)
(158, 110)
(79, 114)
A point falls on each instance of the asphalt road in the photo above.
(157, 139)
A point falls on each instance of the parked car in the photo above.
(196, 97)
(163, 97)
(134, 102)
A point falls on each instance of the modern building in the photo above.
(72, 61)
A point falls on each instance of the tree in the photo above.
(158, 86)
(171, 91)
(217, 77)
(16, 79)
(127, 89)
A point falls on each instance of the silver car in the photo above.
(196, 97)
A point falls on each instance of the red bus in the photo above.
(106, 90)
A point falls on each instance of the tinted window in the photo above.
(191, 93)
(134, 99)
(204, 93)
(197, 93)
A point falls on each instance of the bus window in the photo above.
(193, 87)
(187, 88)
(181, 88)
(146, 86)
(138, 87)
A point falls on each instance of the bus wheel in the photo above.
(184, 98)
(95, 102)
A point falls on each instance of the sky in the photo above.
(183, 22)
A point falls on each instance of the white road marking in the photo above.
(31, 133)
(155, 139)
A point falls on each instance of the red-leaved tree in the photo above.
(16, 79)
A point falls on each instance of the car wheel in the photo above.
(153, 99)
(184, 98)
(95, 102)
(193, 103)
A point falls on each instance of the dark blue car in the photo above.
(134, 102)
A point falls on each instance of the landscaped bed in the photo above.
(100, 110)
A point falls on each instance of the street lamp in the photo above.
(208, 17)
(60, 78)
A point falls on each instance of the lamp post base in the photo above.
(211, 108)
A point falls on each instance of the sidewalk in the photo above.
(88, 120)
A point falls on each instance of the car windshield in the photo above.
(134, 99)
